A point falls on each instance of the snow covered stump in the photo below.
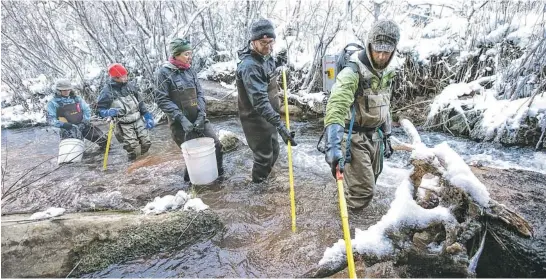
(437, 223)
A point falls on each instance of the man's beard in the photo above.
(379, 66)
(265, 52)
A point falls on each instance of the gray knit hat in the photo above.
(63, 84)
(263, 28)
(384, 36)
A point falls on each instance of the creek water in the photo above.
(257, 240)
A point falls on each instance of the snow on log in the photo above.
(438, 212)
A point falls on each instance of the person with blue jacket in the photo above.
(119, 99)
(72, 115)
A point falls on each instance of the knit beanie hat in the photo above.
(384, 36)
(178, 46)
(262, 28)
(117, 70)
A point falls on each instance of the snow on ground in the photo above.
(169, 203)
(428, 27)
(315, 101)
(449, 95)
(507, 114)
(195, 204)
(49, 213)
(35, 101)
(440, 36)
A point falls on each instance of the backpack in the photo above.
(345, 54)
(342, 62)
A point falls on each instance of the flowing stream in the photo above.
(257, 240)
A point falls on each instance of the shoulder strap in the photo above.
(353, 67)
(354, 45)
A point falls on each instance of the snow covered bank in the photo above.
(17, 116)
(467, 109)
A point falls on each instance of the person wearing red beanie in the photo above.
(120, 100)
(117, 70)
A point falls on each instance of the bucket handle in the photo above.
(198, 135)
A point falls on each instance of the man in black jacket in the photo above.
(258, 102)
(179, 95)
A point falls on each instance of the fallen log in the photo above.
(440, 223)
(81, 243)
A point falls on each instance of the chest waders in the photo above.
(71, 113)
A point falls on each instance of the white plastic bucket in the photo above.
(70, 151)
(200, 158)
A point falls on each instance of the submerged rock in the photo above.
(230, 141)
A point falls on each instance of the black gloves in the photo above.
(388, 148)
(199, 125)
(334, 136)
(287, 135)
(67, 126)
(187, 126)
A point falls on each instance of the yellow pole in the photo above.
(345, 224)
(108, 144)
(290, 171)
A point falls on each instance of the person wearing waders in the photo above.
(258, 102)
(72, 115)
(120, 100)
(179, 95)
(362, 91)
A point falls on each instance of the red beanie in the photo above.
(117, 70)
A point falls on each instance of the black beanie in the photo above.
(262, 28)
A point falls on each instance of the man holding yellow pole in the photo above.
(358, 117)
(258, 102)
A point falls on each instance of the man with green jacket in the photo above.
(363, 86)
